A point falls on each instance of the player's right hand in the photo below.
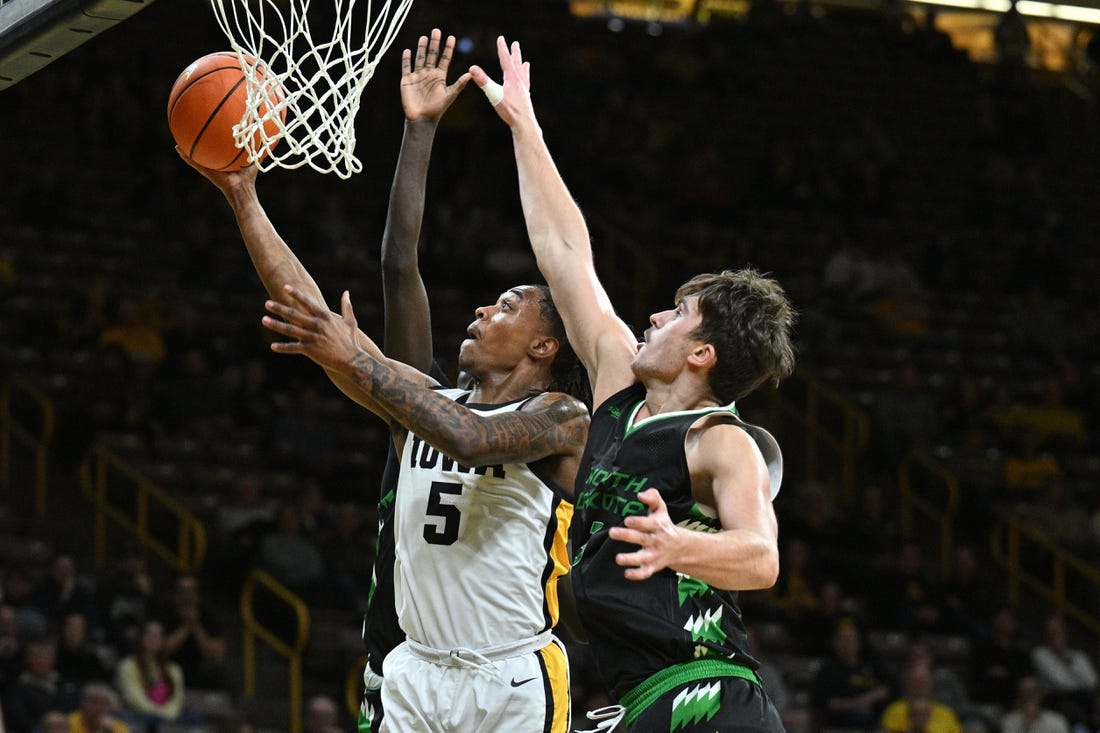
(424, 90)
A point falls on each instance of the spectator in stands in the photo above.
(1055, 512)
(113, 395)
(815, 631)
(1030, 715)
(904, 598)
(1066, 673)
(76, 659)
(251, 399)
(906, 416)
(1004, 412)
(948, 687)
(151, 685)
(1055, 422)
(240, 522)
(918, 710)
(62, 591)
(963, 404)
(314, 511)
(247, 512)
(901, 311)
(37, 690)
(868, 538)
(794, 718)
(966, 598)
(322, 715)
(16, 589)
(795, 593)
(125, 598)
(54, 721)
(129, 329)
(96, 714)
(348, 548)
(851, 688)
(193, 636)
(1028, 467)
(301, 436)
(11, 647)
(978, 464)
(293, 560)
(999, 661)
(194, 402)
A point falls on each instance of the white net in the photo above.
(304, 88)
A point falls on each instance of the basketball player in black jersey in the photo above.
(425, 96)
(673, 496)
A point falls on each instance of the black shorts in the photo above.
(718, 705)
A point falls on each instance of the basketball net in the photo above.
(318, 81)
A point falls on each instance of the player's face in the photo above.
(667, 342)
(500, 334)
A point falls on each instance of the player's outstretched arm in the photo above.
(425, 96)
(559, 235)
(275, 262)
(551, 424)
(734, 479)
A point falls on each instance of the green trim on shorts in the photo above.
(638, 699)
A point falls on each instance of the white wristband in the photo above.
(494, 91)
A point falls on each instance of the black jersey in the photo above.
(637, 628)
(381, 631)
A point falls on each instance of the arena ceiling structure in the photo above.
(33, 33)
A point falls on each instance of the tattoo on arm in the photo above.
(556, 425)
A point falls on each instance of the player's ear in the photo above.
(703, 356)
(543, 347)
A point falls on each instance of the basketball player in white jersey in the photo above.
(483, 500)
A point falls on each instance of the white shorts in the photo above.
(521, 689)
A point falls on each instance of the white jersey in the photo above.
(478, 550)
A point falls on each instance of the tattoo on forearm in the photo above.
(557, 425)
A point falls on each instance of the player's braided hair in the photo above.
(567, 374)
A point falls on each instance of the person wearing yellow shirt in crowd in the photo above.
(96, 712)
(916, 711)
(141, 341)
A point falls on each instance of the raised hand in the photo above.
(320, 334)
(511, 98)
(424, 90)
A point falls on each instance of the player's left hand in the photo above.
(323, 336)
(655, 535)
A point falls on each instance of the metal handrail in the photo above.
(39, 442)
(254, 629)
(849, 442)
(97, 471)
(913, 502)
(1007, 541)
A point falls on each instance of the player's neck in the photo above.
(500, 388)
(662, 398)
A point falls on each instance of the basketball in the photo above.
(207, 100)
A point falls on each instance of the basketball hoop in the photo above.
(320, 80)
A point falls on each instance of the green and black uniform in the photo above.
(671, 649)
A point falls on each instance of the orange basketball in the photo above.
(206, 101)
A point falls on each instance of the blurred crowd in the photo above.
(933, 220)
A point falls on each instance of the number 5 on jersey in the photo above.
(451, 514)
